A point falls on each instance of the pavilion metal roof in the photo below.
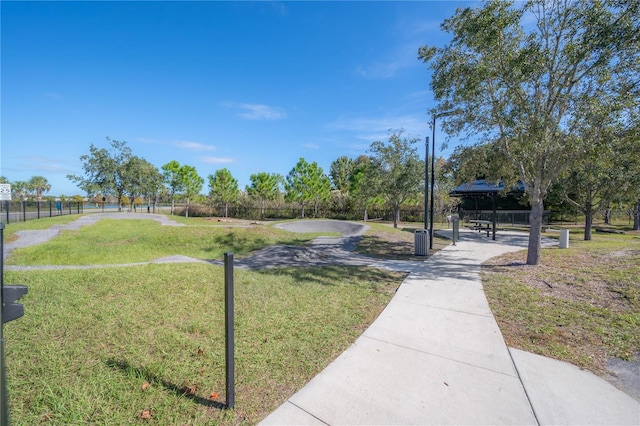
(483, 187)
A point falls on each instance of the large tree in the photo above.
(173, 180)
(106, 171)
(340, 172)
(522, 76)
(395, 171)
(143, 179)
(223, 187)
(264, 187)
(307, 182)
(360, 192)
(608, 171)
(192, 184)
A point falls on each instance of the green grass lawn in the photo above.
(117, 345)
(582, 305)
(136, 240)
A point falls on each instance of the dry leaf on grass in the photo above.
(190, 390)
(145, 414)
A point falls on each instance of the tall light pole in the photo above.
(433, 169)
(426, 184)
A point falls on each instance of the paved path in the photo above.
(435, 355)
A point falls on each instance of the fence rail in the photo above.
(21, 211)
(504, 217)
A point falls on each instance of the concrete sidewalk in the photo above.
(435, 355)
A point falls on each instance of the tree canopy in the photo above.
(307, 182)
(223, 187)
(264, 186)
(395, 171)
(528, 86)
(106, 171)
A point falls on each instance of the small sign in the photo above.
(5, 192)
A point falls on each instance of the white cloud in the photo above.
(217, 160)
(380, 70)
(311, 145)
(402, 57)
(376, 129)
(258, 111)
(53, 95)
(195, 146)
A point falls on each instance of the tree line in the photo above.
(390, 175)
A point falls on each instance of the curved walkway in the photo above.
(435, 355)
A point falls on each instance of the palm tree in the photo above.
(19, 188)
(39, 185)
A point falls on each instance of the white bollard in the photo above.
(564, 238)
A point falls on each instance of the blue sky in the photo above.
(250, 86)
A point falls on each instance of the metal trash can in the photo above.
(564, 239)
(420, 243)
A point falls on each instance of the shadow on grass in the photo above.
(375, 279)
(181, 391)
(381, 248)
(241, 244)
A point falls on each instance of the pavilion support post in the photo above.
(495, 216)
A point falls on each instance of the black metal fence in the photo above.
(504, 217)
(295, 212)
(21, 211)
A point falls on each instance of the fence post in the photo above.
(4, 399)
(229, 330)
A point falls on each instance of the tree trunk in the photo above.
(173, 204)
(535, 231)
(588, 222)
(366, 214)
(396, 216)
(186, 210)
(226, 210)
(607, 216)
(636, 217)
(302, 206)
